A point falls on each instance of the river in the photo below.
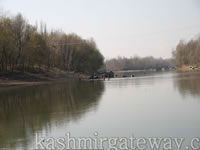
(165, 104)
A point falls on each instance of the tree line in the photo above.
(26, 47)
(187, 53)
(138, 63)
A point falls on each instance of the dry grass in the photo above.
(188, 68)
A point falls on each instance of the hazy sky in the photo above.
(119, 27)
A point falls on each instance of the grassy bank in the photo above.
(12, 79)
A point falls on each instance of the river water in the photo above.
(158, 105)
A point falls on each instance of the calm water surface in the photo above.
(159, 105)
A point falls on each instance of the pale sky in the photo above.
(119, 27)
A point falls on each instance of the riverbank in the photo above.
(29, 79)
(188, 68)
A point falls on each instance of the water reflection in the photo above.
(145, 106)
(188, 84)
(25, 111)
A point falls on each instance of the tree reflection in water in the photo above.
(25, 111)
(188, 84)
